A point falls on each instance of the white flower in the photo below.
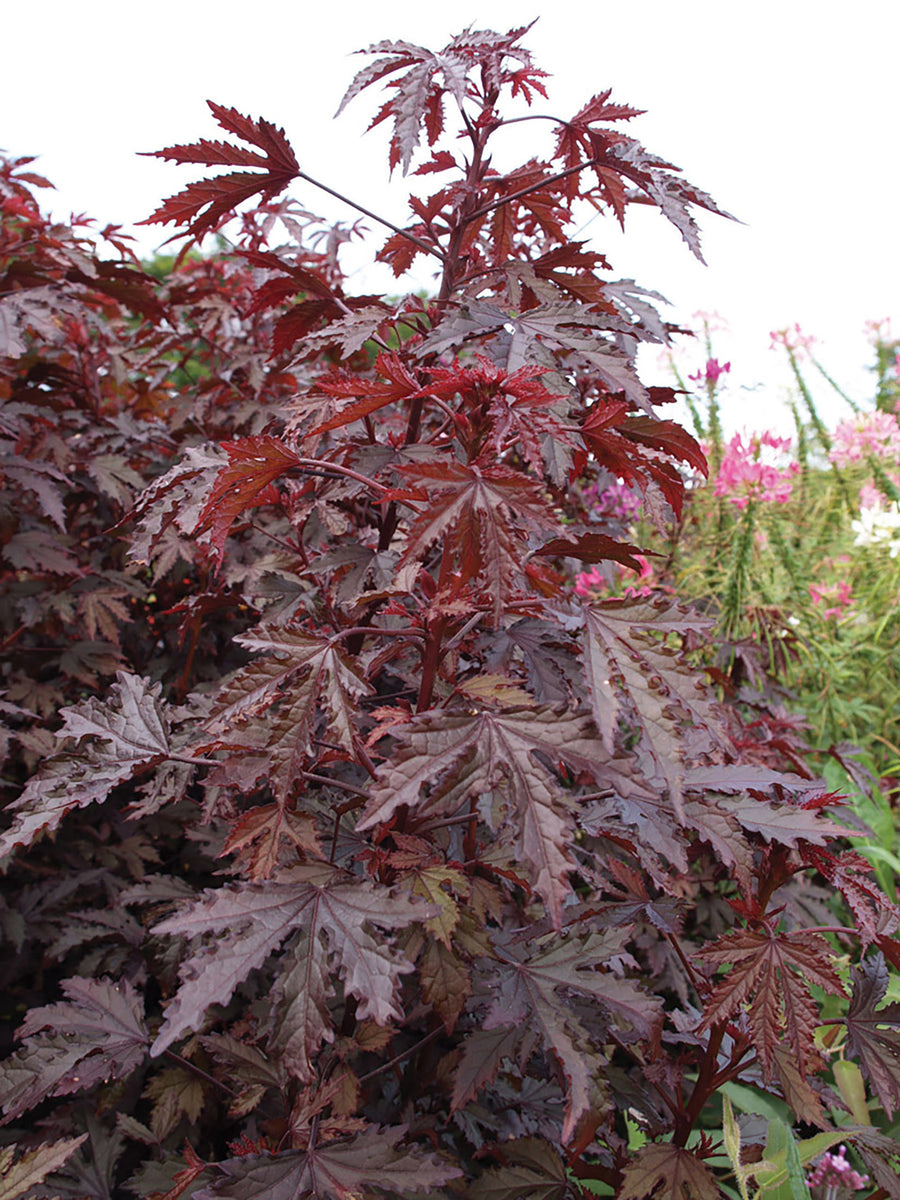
(878, 526)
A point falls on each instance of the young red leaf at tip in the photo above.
(202, 206)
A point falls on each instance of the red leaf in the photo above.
(592, 548)
(254, 463)
(668, 436)
(772, 974)
(201, 206)
(369, 395)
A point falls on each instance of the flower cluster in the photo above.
(616, 502)
(835, 597)
(711, 372)
(878, 525)
(869, 435)
(594, 584)
(792, 339)
(748, 471)
(832, 1171)
(871, 495)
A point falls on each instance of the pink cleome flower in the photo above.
(868, 435)
(711, 372)
(616, 502)
(593, 584)
(838, 593)
(792, 339)
(748, 472)
(713, 322)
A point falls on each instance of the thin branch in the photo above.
(686, 963)
(410, 237)
(16, 633)
(403, 1054)
(461, 819)
(320, 466)
(535, 187)
(194, 762)
(279, 541)
(189, 1066)
(365, 630)
(531, 117)
(338, 783)
(461, 633)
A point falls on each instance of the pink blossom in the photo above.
(711, 372)
(593, 584)
(871, 495)
(833, 1171)
(748, 472)
(713, 322)
(587, 583)
(792, 339)
(616, 502)
(869, 435)
(839, 593)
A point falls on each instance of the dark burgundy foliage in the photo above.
(347, 854)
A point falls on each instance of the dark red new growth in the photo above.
(348, 853)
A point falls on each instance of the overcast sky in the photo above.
(786, 111)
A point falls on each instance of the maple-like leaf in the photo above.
(544, 335)
(614, 438)
(503, 408)
(797, 1086)
(668, 1172)
(552, 671)
(623, 658)
(527, 990)
(416, 96)
(175, 1093)
(19, 1176)
(482, 517)
(115, 740)
(334, 1171)
(873, 1033)
(201, 206)
(483, 1052)
(368, 395)
(258, 835)
(444, 758)
(40, 478)
(176, 500)
(788, 824)
(876, 916)
(445, 981)
(338, 914)
(254, 464)
(661, 182)
(591, 547)
(670, 437)
(300, 1019)
(771, 974)
(534, 1170)
(311, 677)
(97, 1034)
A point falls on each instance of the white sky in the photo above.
(785, 111)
